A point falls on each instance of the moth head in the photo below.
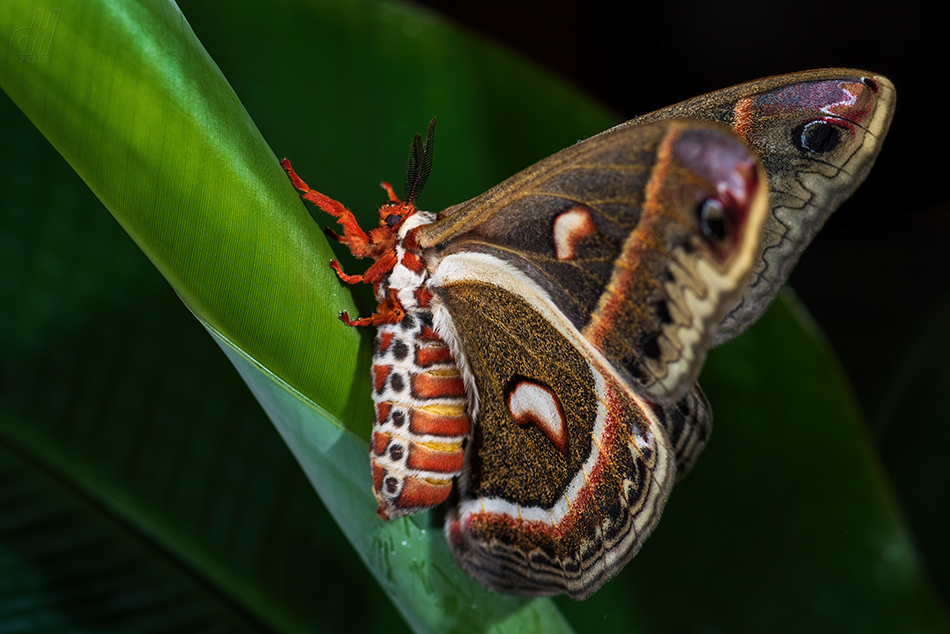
(394, 213)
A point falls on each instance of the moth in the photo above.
(537, 347)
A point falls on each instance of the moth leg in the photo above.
(349, 279)
(296, 180)
(385, 263)
(373, 274)
(353, 236)
(389, 311)
(393, 198)
(362, 321)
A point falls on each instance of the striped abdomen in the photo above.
(421, 426)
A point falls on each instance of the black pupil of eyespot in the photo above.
(818, 137)
(713, 220)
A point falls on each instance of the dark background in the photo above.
(875, 278)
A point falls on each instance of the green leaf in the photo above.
(138, 422)
(911, 414)
(132, 101)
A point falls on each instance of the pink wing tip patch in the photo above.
(534, 404)
(571, 227)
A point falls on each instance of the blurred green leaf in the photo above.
(137, 107)
(912, 415)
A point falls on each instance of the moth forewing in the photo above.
(703, 268)
(818, 133)
(611, 229)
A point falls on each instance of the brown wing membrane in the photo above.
(817, 133)
(642, 237)
(568, 469)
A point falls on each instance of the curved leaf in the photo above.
(132, 101)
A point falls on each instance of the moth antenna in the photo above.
(412, 169)
(420, 163)
(427, 151)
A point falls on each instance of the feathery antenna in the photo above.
(420, 163)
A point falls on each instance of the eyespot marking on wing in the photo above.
(571, 227)
(531, 403)
(818, 136)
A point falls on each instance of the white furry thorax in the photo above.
(405, 282)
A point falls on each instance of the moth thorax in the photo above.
(417, 219)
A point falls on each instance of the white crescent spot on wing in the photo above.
(534, 404)
(570, 228)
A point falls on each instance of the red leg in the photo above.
(393, 198)
(362, 321)
(373, 274)
(296, 180)
(353, 236)
(385, 262)
(349, 279)
(390, 311)
(379, 244)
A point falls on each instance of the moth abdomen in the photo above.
(421, 425)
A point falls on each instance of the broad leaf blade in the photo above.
(133, 102)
